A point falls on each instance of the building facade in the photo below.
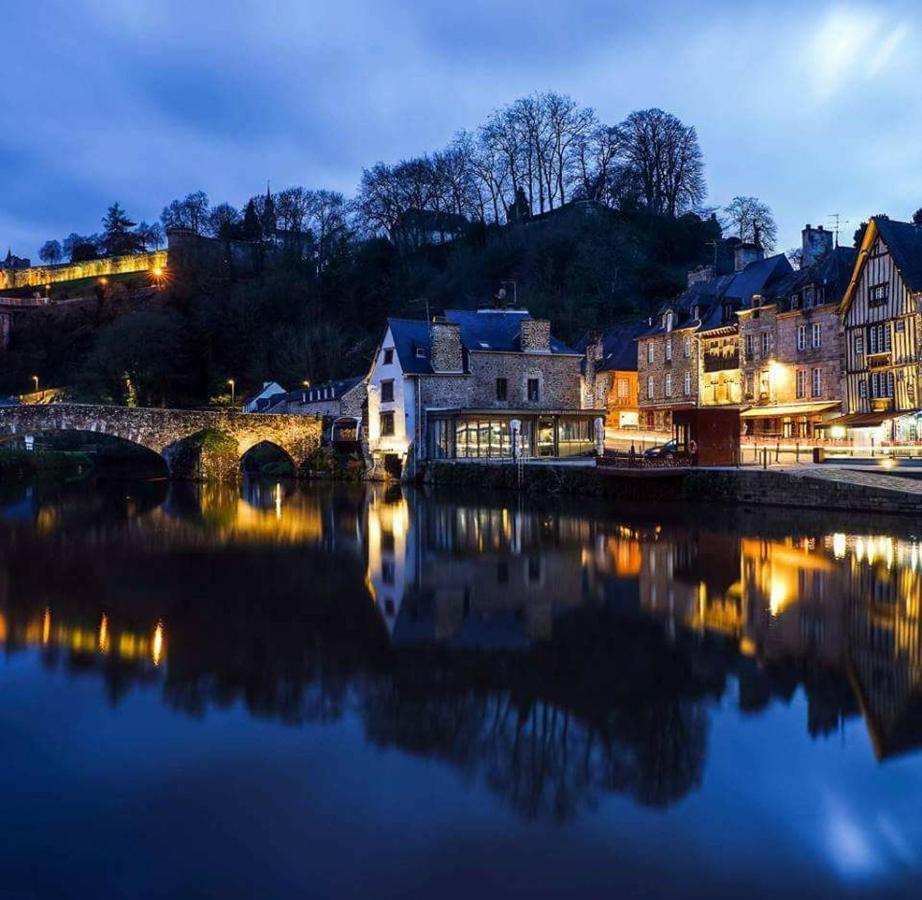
(610, 374)
(882, 332)
(790, 345)
(491, 383)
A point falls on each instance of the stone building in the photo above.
(883, 335)
(491, 383)
(790, 347)
(689, 356)
(610, 373)
(341, 404)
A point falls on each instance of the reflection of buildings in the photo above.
(838, 614)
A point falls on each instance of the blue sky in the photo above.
(813, 107)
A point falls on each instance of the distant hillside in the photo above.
(583, 265)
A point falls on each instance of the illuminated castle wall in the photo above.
(39, 276)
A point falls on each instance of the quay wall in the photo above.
(746, 487)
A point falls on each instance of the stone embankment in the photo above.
(815, 487)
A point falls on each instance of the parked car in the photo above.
(662, 451)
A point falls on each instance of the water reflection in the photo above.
(556, 651)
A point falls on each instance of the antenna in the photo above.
(839, 221)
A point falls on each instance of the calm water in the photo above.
(299, 692)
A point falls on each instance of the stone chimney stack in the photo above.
(743, 254)
(447, 355)
(594, 352)
(816, 243)
(535, 335)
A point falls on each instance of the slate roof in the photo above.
(480, 330)
(619, 347)
(711, 296)
(904, 241)
(832, 271)
(318, 393)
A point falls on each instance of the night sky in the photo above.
(814, 108)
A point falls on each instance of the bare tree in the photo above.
(292, 207)
(51, 253)
(665, 158)
(327, 219)
(749, 219)
(191, 212)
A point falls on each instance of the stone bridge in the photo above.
(199, 444)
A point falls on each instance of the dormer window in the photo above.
(420, 352)
(795, 301)
(669, 319)
(696, 311)
(808, 297)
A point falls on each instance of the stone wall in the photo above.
(559, 380)
(6, 326)
(659, 404)
(39, 276)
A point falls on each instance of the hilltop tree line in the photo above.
(342, 265)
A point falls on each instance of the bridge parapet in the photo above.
(175, 434)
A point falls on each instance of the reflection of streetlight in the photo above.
(233, 386)
(35, 380)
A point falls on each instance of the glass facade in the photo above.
(470, 436)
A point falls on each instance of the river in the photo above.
(331, 691)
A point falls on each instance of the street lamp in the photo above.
(306, 382)
(233, 386)
(35, 380)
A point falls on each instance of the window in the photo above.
(420, 352)
(808, 297)
(669, 350)
(668, 384)
(649, 387)
(859, 344)
(815, 335)
(388, 357)
(801, 384)
(802, 337)
(766, 343)
(650, 351)
(686, 384)
(750, 346)
(899, 326)
(817, 382)
(533, 390)
(879, 338)
(387, 391)
(502, 389)
(862, 388)
(882, 384)
(795, 301)
(878, 294)
(687, 343)
(622, 388)
(750, 382)
(387, 424)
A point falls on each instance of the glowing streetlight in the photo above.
(306, 382)
(233, 387)
(35, 382)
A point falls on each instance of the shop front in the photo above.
(511, 434)
(794, 421)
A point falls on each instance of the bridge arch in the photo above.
(168, 431)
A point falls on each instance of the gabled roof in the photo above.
(480, 330)
(710, 297)
(409, 334)
(319, 393)
(619, 347)
(832, 272)
(903, 240)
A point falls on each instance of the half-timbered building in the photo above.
(881, 318)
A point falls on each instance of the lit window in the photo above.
(878, 294)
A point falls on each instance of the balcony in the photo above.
(881, 404)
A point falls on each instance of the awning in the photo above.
(862, 420)
(795, 409)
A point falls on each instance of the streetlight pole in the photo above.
(35, 381)
(233, 386)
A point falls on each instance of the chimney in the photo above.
(446, 355)
(743, 254)
(816, 243)
(535, 336)
(594, 353)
